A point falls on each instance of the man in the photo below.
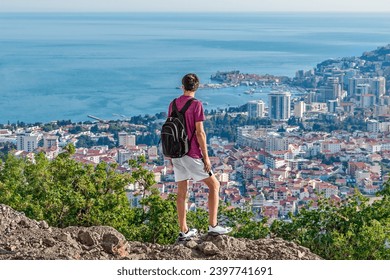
(196, 163)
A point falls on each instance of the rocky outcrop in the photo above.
(23, 238)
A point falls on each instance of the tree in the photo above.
(352, 230)
(5, 148)
(76, 129)
(160, 219)
(243, 223)
(65, 192)
(105, 141)
(84, 141)
(95, 129)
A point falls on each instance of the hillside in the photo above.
(23, 238)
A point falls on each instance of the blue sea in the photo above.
(68, 66)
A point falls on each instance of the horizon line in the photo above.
(197, 12)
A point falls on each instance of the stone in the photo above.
(24, 224)
(191, 244)
(111, 239)
(113, 245)
(5, 252)
(64, 237)
(209, 248)
(86, 238)
(301, 254)
(43, 224)
(50, 242)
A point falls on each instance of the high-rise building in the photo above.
(376, 86)
(279, 105)
(256, 109)
(299, 109)
(27, 141)
(367, 100)
(332, 104)
(354, 82)
(312, 97)
(126, 139)
(332, 90)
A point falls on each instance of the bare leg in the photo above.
(181, 204)
(213, 185)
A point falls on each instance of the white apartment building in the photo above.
(373, 126)
(50, 141)
(275, 142)
(256, 109)
(152, 153)
(299, 109)
(126, 139)
(27, 141)
(332, 146)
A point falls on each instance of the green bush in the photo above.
(353, 230)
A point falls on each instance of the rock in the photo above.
(209, 248)
(301, 254)
(43, 225)
(224, 242)
(64, 237)
(11, 248)
(5, 252)
(136, 257)
(110, 241)
(31, 240)
(191, 244)
(86, 238)
(49, 242)
(23, 223)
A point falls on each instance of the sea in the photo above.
(60, 66)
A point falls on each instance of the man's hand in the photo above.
(207, 164)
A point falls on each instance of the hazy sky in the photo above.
(194, 5)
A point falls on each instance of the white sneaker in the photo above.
(186, 236)
(218, 230)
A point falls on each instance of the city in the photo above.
(327, 142)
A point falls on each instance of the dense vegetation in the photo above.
(353, 229)
(5, 148)
(65, 192)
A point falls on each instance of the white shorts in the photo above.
(186, 168)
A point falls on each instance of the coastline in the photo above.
(67, 73)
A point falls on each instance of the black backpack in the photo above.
(174, 138)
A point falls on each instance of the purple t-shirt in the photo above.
(193, 114)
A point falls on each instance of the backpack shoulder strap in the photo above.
(185, 107)
(174, 107)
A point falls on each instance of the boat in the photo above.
(251, 91)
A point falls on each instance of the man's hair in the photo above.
(190, 82)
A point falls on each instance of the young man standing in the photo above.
(196, 163)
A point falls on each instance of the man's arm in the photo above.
(201, 137)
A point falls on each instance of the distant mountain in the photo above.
(381, 54)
